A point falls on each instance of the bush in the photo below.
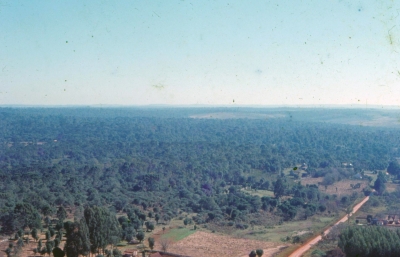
(318, 253)
(322, 208)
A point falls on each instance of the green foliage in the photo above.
(61, 213)
(23, 215)
(379, 184)
(102, 227)
(151, 242)
(78, 241)
(372, 241)
(116, 252)
(49, 246)
(259, 252)
(279, 188)
(318, 253)
(140, 236)
(39, 245)
(57, 252)
(34, 234)
(48, 236)
(394, 168)
(134, 157)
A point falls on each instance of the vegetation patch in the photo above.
(177, 234)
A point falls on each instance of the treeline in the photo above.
(268, 145)
(371, 241)
(97, 232)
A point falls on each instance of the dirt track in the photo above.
(315, 240)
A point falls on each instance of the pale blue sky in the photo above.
(200, 52)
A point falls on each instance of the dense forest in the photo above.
(157, 162)
(370, 241)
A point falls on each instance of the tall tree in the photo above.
(379, 184)
(61, 213)
(77, 242)
(279, 188)
(103, 226)
(151, 242)
(34, 234)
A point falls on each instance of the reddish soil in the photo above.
(304, 248)
(202, 244)
(343, 186)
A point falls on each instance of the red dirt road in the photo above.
(304, 248)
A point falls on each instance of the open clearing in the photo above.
(177, 234)
(343, 186)
(277, 232)
(202, 244)
(259, 192)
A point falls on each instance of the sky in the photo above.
(201, 52)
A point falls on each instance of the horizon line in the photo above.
(333, 106)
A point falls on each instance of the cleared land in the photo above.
(202, 244)
(343, 186)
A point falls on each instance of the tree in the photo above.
(47, 210)
(47, 220)
(102, 226)
(116, 253)
(20, 233)
(151, 242)
(379, 184)
(25, 215)
(157, 217)
(252, 254)
(8, 251)
(394, 168)
(49, 247)
(369, 218)
(61, 214)
(279, 188)
(52, 232)
(149, 226)
(185, 221)
(140, 236)
(56, 242)
(259, 252)
(77, 242)
(34, 234)
(18, 248)
(48, 236)
(39, 245)
(57, 252)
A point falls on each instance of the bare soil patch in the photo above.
(391, 187)
(202, 244)
(339, 188)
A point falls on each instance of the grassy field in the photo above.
(342, 187)
(293, 228)
(177, 234)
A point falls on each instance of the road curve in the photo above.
(304, 248)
